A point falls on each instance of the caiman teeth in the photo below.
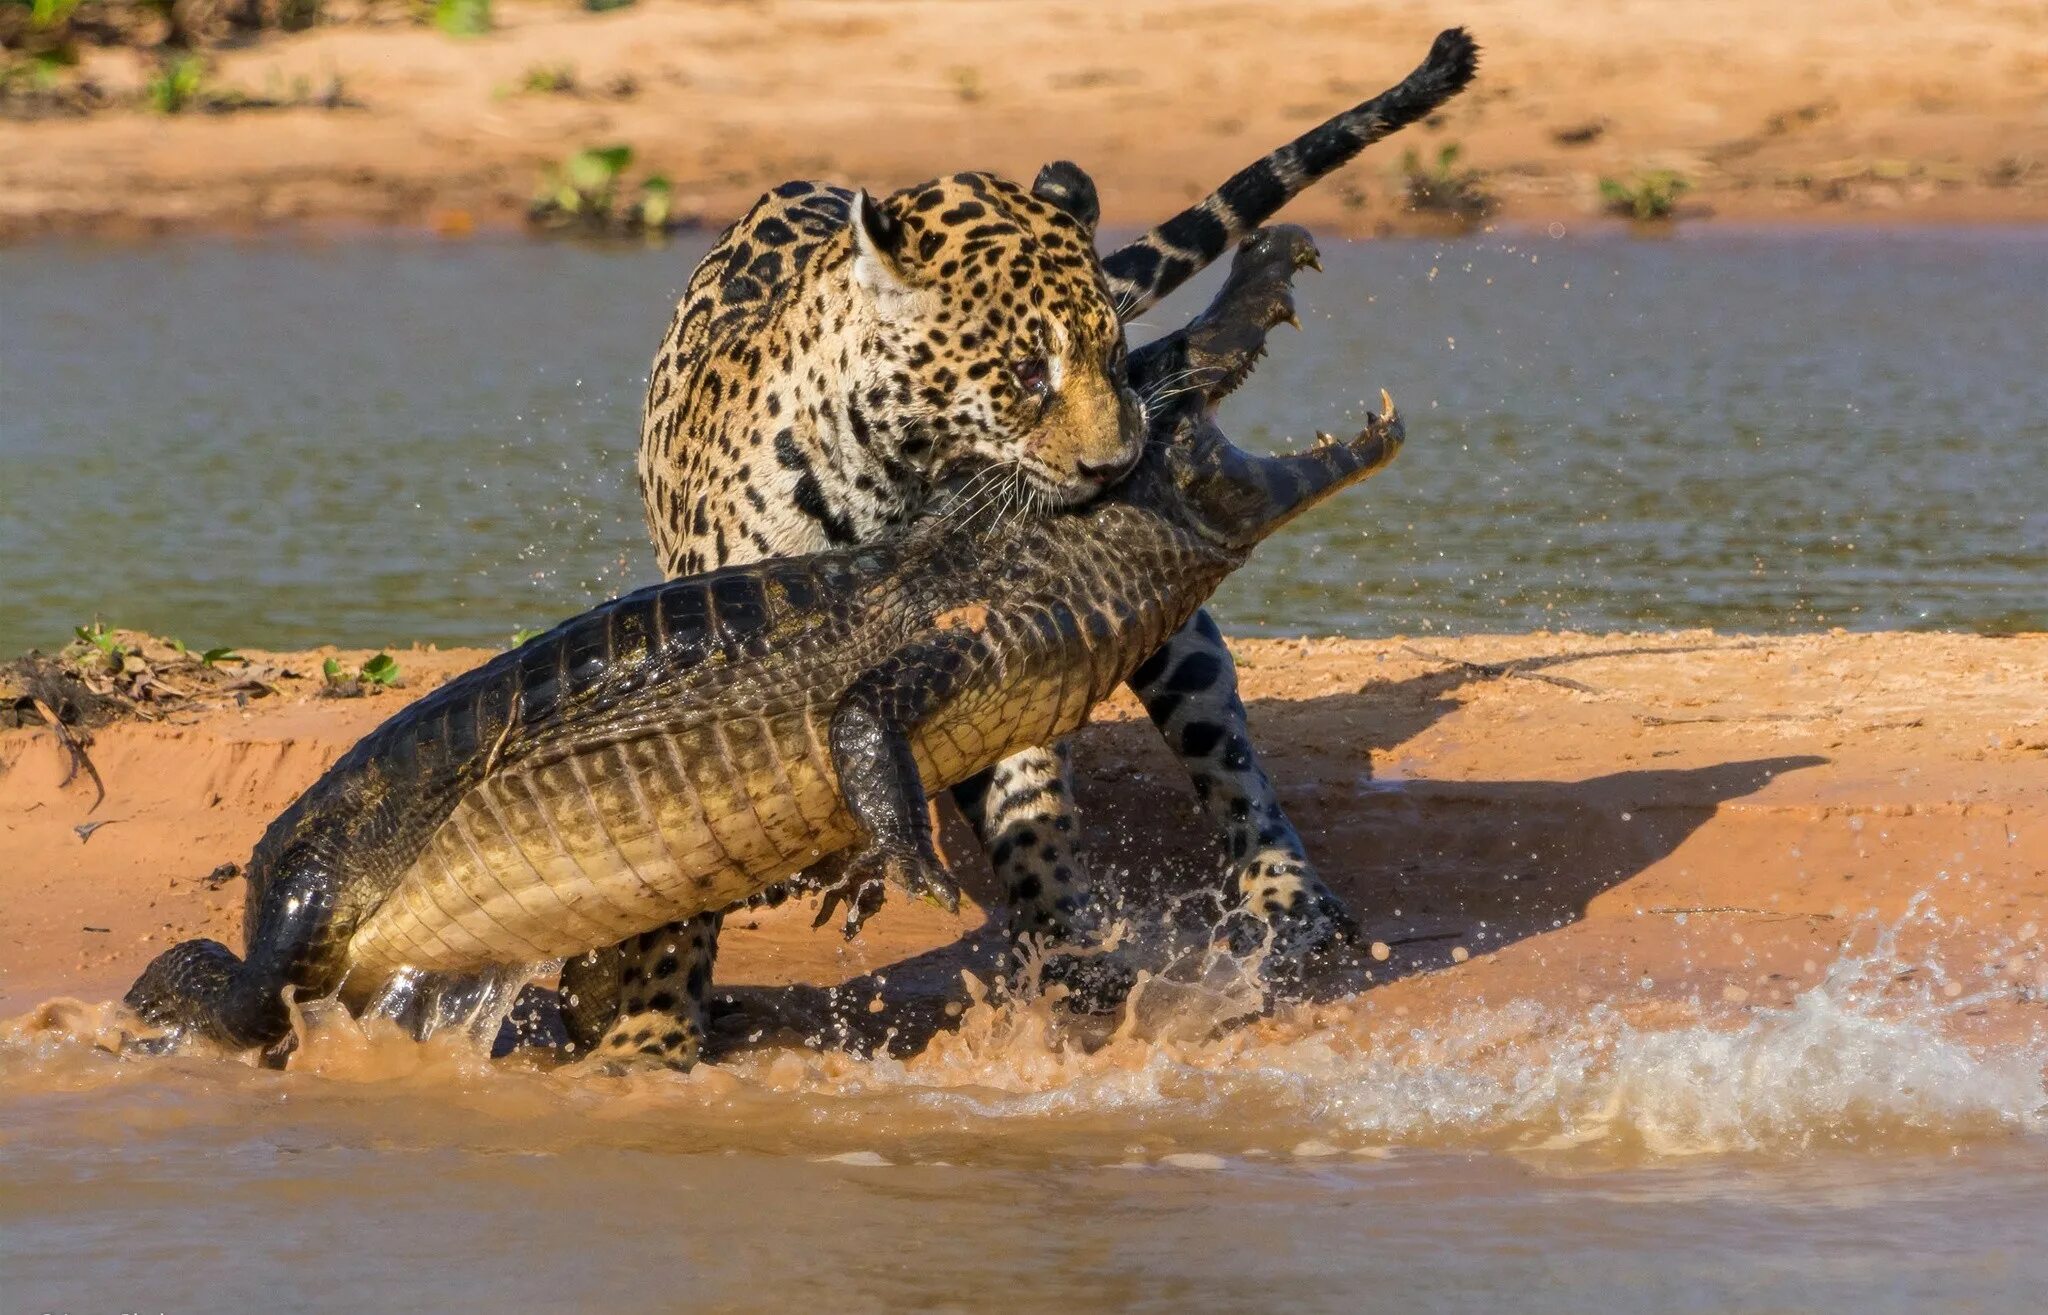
(1387, 412)
(1232, 381)
(1323, 440)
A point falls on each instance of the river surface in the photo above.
(375, 443)
(372, 443)
(1845, 1153)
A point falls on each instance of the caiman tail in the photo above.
(204, 987)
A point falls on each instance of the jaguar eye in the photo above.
(1033, 375)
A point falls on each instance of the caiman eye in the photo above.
(1032, 375)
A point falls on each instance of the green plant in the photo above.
(584, 193)
(463, 18)
(47, 15)
(587, 183)
(212, 657)
(1650, 197)
(179, 83)
(604, 6)
(524, 633)
(548, 79)
(112, 652)
(1440, 187)
(657, 204)
(45, 28)
(381, 671)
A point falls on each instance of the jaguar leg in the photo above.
(663, 996)
(1190, 689)
(1023, 810)
(588, 995)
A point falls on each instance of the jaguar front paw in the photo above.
(1286, 911)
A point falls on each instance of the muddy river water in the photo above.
(1831, 1156)
(377, 443)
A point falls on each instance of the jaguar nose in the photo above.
(1103, 472)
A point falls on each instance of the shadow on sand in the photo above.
(1427, 865)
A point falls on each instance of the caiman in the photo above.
(688, 745)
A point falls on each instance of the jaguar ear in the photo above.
(1064, 184)
(877, 245)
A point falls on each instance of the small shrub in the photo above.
(380, 672)
(583, 192)
(100, 647)
(179, 84)
(463, 18)
(548, 80)
(587, 183)
(656, 208)
(1647, 198)
(1442, 188)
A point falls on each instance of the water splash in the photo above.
(1874, 1055)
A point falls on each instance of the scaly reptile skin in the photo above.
(685, 746)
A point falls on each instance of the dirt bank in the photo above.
(1642, 819)
(1858, 111)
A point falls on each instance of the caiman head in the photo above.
(1190, 468)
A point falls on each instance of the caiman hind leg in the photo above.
(587, 997)
(870, 740)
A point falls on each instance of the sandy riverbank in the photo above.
(1685, 817)
(1854, 112)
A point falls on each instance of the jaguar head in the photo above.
(999, 350)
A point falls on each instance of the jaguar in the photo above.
(839, 365)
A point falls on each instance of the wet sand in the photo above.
(1866, 111)
(1663, 823)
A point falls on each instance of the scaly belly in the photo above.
(581, 852)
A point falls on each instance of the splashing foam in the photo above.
(1853, 1061)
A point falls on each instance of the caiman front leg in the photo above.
(878, 778)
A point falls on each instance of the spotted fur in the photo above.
(836, 357)
(839, 361)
